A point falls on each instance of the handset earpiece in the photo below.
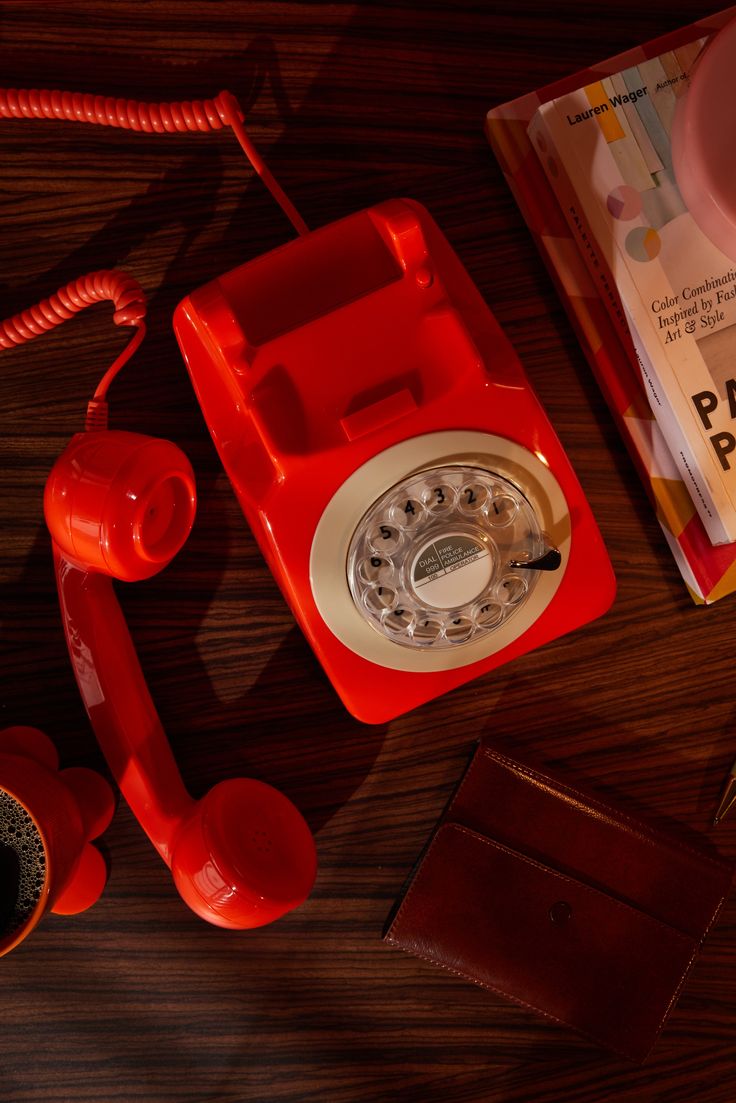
(121, 505)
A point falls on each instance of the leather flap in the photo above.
(574, 831)
(544, 939)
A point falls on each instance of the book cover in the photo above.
(709, 572)
(676, 288)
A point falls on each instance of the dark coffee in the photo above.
(22, 865)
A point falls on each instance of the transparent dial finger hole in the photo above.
(379, 598)
(407, 513)
(384, 538)
(473, 497)
(440, 498)
(427, 629)
(399, 621)
(512, 589)
(375, 569)
(459, 629)
(488, 614)
(428, 564)
(502, 510)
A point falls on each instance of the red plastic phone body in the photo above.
(316, 357)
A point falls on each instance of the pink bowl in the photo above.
(704, 141)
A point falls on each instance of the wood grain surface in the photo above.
(137, 998)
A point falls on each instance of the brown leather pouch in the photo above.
(562, 903)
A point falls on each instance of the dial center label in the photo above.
(451, 570)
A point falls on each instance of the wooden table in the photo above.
(137, 998)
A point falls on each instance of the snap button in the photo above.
(560, 912)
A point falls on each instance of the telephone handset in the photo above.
(121, 505)
(401, 478)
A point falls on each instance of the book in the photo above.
(606, 150)
(709, 572)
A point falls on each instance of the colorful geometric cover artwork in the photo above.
(611, 140)
(708, 571)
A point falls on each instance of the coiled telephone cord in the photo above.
(117, 286)
(147, 118)
(127, 297)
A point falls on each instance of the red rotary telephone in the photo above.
(404, 484)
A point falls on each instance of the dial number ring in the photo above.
(440, 543)
(527, 469)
